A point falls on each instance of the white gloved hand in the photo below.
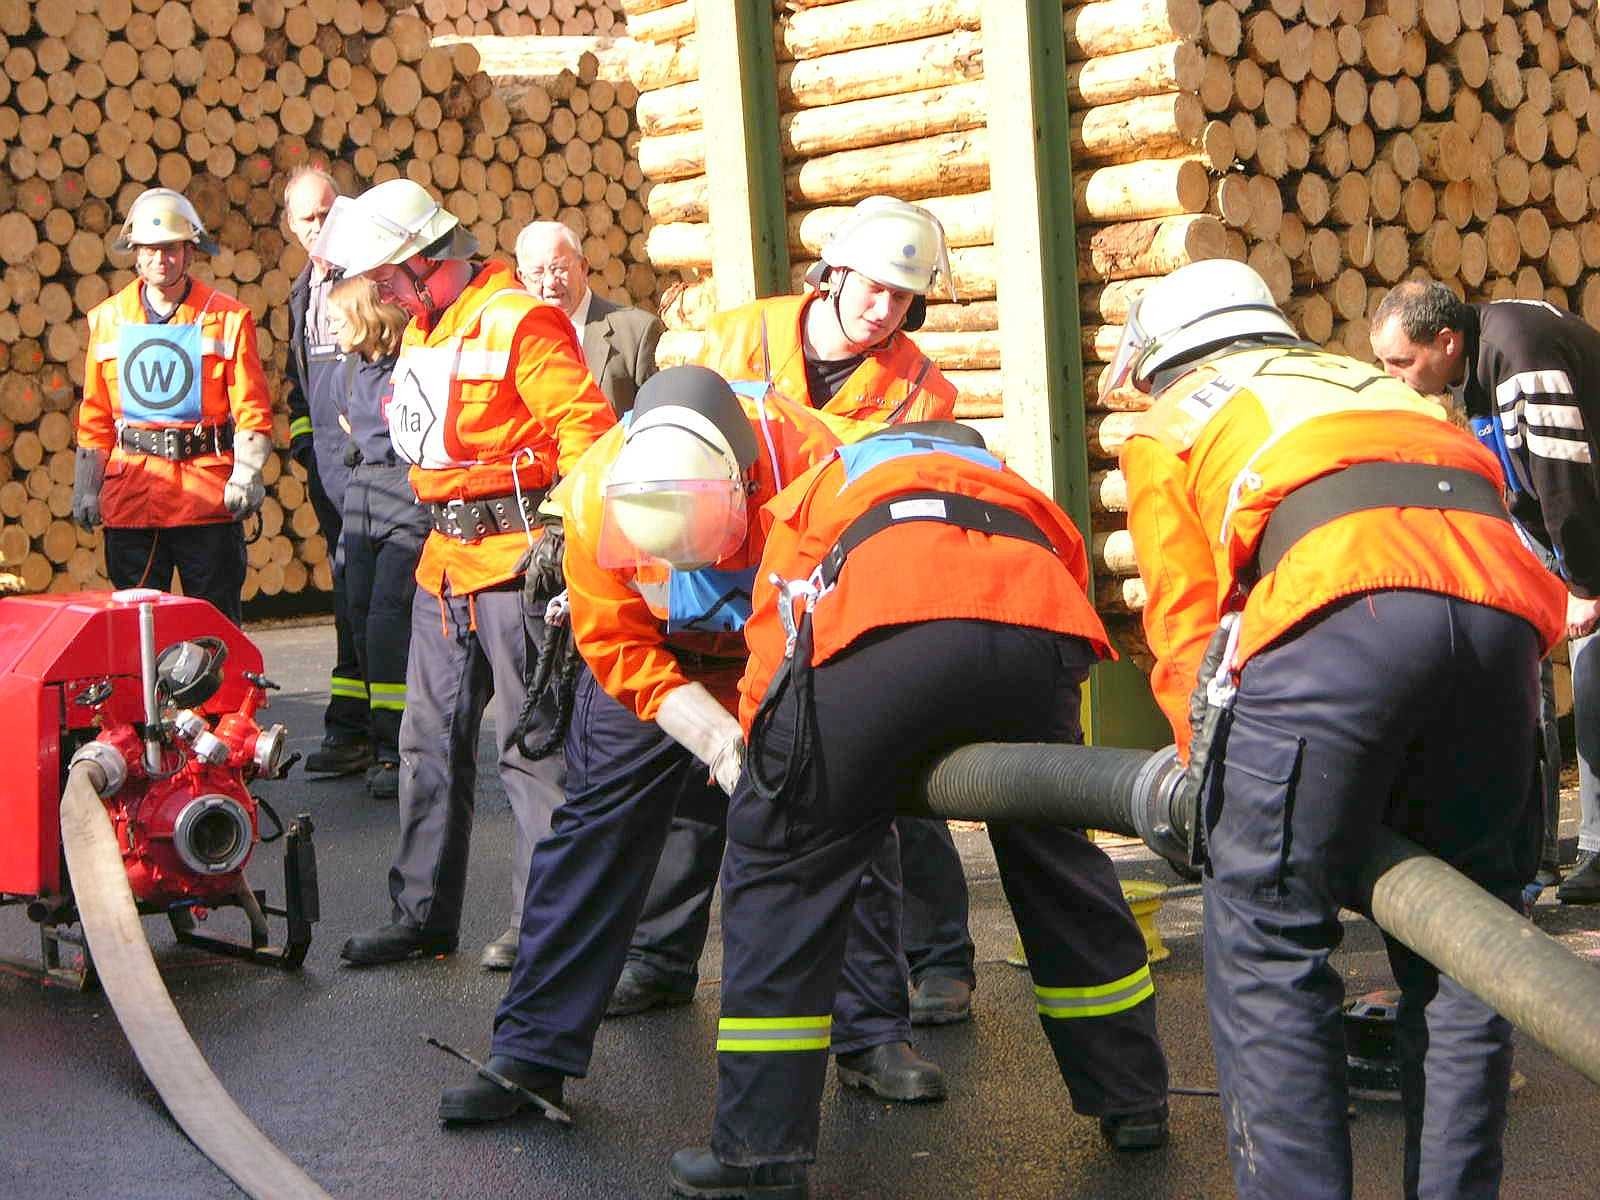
(88, 477)
(692, 717)
(244, 491)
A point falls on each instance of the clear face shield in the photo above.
(1135, 341)
(681, 523)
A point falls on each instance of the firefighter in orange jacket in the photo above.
(176, 421)
(1375, 628)
(914, 596)
(842, 351)
(491, 400)
(662, 540)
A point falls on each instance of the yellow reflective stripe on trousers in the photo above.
(1099, 1001)
(389, 695)
(352, 689)
(299, 425)
(767, 1034)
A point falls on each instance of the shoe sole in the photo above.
(419, 952)
(1594, 899)
(945, 1016)
(926, 1092)
(1138, 1139)
(667, 1000)
(765, 1191)
(454, 1115)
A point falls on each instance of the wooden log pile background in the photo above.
(513, 18)
(222, 99)
(1336, 145)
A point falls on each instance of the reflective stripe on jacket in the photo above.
(919, 570)
(144, 490)
(876, 393)
(1220, 448)
(520, 396)
(619, 616)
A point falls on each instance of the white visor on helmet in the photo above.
(355, 239)
(1135, 341)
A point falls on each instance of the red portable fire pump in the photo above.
(174, 737)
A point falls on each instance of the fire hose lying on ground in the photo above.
(1528, 977)
(155, 816)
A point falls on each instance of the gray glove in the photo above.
(244, 491)
(88, 476)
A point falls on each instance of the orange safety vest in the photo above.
(145, 490)
(762, 340)
(620, 616)
(1214, 455)
(493, 397)
(916, 570)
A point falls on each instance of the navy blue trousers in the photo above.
(209, 560)
(1404, 709)
(346, 717)
(883, 710)
(587, 882)
(384, 530)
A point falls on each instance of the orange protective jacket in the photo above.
(519, 399)
(1218, 450)
(145, 490)
(897, 383)
(619, 615)
(916, 571)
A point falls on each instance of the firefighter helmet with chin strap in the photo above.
(388, 224)
(1197, 309)
(893, 243)
(159, 217)
(676, 492)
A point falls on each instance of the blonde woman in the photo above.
(384, 527)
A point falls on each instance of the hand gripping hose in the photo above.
(171, 1060)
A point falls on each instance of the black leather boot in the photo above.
(339, 756)
(638, 990)
(481, 1099)
(698, 1172)
(940, 1000)
(501, 954)
(893, 1071)
(1136, 1131)
(396, 943)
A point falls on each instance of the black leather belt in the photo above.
(1373, 485)
(178, 441)
(470, 520)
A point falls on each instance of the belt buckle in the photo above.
(452, 518)
(171, 445)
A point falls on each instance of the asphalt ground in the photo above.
(331, 1065)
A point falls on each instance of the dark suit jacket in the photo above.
(620, 345)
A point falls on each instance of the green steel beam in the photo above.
(744, 165)
(1036, 246)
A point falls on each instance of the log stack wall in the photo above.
(1338, 146)
(222, 100)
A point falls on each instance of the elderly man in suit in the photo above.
(619, 343)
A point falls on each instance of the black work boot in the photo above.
(893, 1071)
(481, 1099)
(1582, 886)
(396, 943)
(383, 781)
(1136, 1131)
(501, 954)
(340, 756)
(639, 990)
(940, 1000)
(700, 1173)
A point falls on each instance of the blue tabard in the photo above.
(158, 372)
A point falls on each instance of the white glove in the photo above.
(244, 491)
(692, 717)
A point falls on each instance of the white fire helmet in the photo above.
(160, 216)
(1198, 308)
(387, 224)
(676, 493)
(892, 242)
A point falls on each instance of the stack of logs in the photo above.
(513, 18)
(222, 99)
(1336, 145)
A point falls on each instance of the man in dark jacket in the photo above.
(317, 442)
(1527, 374)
